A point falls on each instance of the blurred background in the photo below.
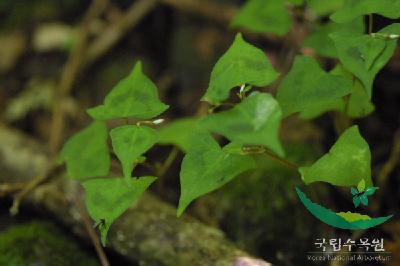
(59, 57)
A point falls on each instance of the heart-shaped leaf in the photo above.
(107, 198)
(135, 96)
(86, 153)
(130, 142)
(255, 121)
(241, 64)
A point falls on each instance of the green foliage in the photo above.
(296, 2)
(365, 55)
(359, 103)
(255, 121)
(241, 64)
(107, 198)
(347, 163)
(180, 133)
(322, 8)
(319, 39)
(269, 16)
(307, 88)
(356, 8)
(361, 185)
(86, 153)
(130, 142)
(356, 105)
(252, 125)
(207, 167)
(135, 96)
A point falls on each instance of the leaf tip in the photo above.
(137, 67)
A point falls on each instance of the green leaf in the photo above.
(255, 121)
(307, 86)
(135, 96)
(130, 142)
(180, 133)
(323, 8)
(241, 64)
(263, 16)
(356, 201)
(346, 164)
(354, 191)
(356, 8)
(359, 104)
(86, 153)
(296, 2)
(364, 55)
(357, 53)
(370, 191)
(107, 198)
(364, 199)
(206, 167)
(361, 185)
(319, 39)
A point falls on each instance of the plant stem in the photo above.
(168, 162)
(162, 169)
(281, 160)
(271, 155)
(90, 230)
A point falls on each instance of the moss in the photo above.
(40, 243)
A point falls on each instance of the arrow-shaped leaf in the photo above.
(307, 87)
(130, 142)
(365, 55)
(243, 63)
(135, 96)
(86, 153)
(206, 167)
(346, 164)
(107, 198)
(255, 121)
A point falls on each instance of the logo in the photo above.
(346, 220)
